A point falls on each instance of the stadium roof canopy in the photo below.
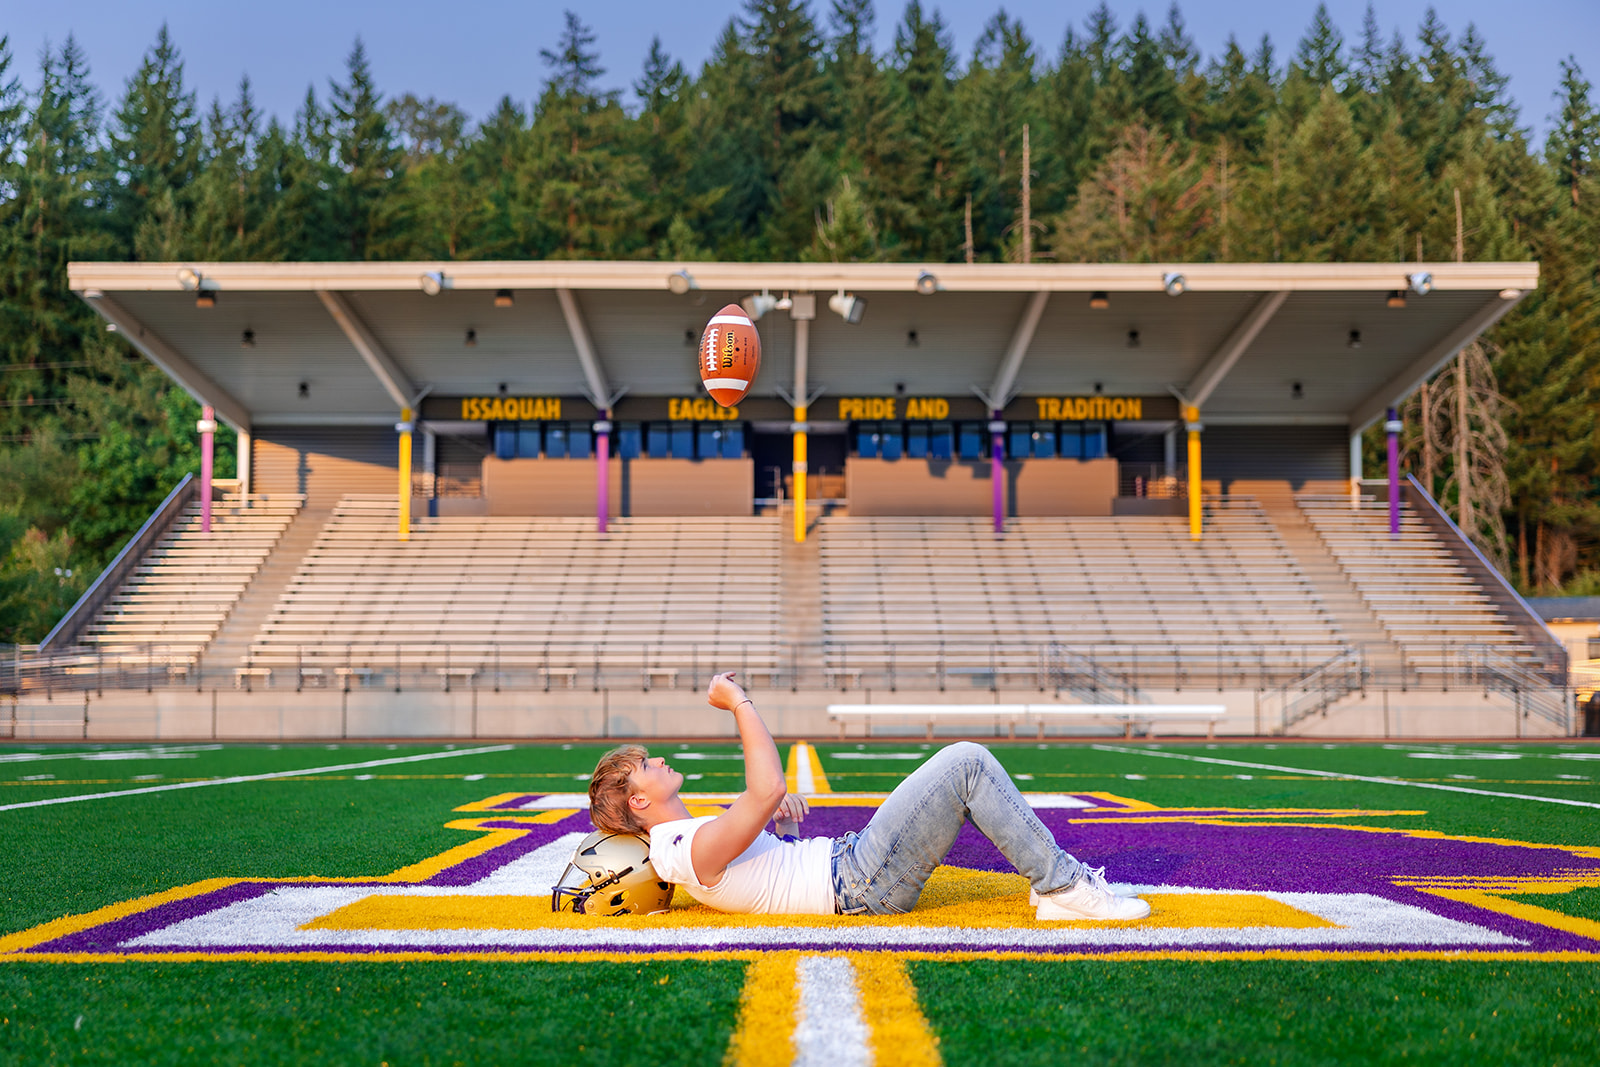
(1250, 343)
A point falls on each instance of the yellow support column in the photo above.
(1191, 416)
(405, 427)
(799, 473)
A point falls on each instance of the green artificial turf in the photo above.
(71, 858)
(412, 1013)
(1261, 1011)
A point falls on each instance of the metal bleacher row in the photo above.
(1422, 596)
(1130, 595)
(180, 594)
(469, 596)
(904, 602)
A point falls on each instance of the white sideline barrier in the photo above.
(1127, 714)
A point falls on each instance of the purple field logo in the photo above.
(1222, 882)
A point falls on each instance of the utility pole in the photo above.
(1027, 198)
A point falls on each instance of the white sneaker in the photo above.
(1088, 898)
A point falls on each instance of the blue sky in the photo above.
(471, 53)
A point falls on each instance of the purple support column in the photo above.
(1392, 428)
(602, 452)
(208, 432)
(997, 470)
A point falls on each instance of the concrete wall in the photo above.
(638, 487)
(963, 487)
(317, 714)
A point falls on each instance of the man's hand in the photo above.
(725, 693)
(791, 809)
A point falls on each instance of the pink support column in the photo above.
(602, 452)
(1392, 428)
(997, 470)
(208, 433)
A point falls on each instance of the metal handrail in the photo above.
(160, 520)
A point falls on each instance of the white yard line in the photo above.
(259, 777)
(830, 1031)
(1347, 777)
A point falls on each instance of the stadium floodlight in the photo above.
(189, 278)
(681, 281)
(758, 304)
(1420, 282)
(927, 283)
(1174, 283)
(1505, 294)
(847, 306)
(785, 303)
(432, 282)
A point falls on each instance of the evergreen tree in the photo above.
(1573, 147)
(155, 152)
(366, 159)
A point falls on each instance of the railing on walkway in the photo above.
(1317, 690)
(1295, 680)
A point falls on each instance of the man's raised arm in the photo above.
(721, 841)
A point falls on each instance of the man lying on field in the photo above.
(732, 863)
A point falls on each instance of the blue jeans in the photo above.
(882, 869)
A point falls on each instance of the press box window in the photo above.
(939, 435)
(890, 441)
(867, 440)
(970, 440)
(629, 436)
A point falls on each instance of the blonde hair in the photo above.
(610, 788)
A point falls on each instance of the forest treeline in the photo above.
(796, 140)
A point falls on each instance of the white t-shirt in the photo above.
(771, 877)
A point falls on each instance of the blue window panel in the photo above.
(629, 435)
(555, 440)
(708, 440)
(733, 442)
(971, 440)
(682, 440)
(1094, 440)
(890, 441)
(528, 440)
(505, 440)
(867, 440)
(1019, 442)
(939, 440)
(1044, 439)
(917, 440)
(579, 435)
(657, 440)
(1071, 440)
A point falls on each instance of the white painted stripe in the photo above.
(804, 781)
(829, 1030)
(1348, 777)
(259, 777)
(726, 383)
(274, 921)
(730, 320)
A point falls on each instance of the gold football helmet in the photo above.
(611, 874)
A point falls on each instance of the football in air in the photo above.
(730, 355)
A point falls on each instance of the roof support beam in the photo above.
(194, 381)
(1005, 378)
(1436, 355)
(599, 389)
(1204, 383)
(390, 376)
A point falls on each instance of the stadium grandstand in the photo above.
(491, 499)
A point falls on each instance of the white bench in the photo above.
(1128, 715)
